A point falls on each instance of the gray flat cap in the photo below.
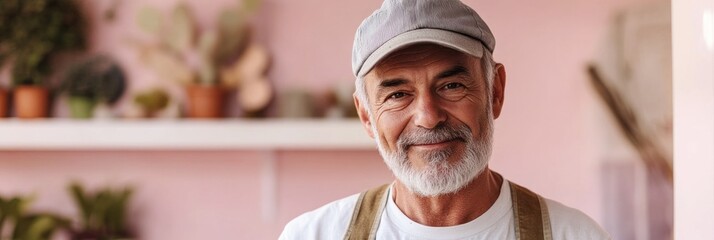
(400, 23)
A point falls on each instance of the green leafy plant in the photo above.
(10, 209)
(34, 31)
(97, 79)
(28, 226)
(103, 214)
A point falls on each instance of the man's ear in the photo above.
(499, 86)
(363, 116)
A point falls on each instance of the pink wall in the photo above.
(195, 195)
(545, 138)
(693, 55)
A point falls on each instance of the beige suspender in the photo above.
(530, 213)
(367, 213)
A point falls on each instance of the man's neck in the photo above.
(451, 209)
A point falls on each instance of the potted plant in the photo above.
(95, 80)
(27, 226)
(32, 32)
(103, 214)
(195, 59)
(170, 57)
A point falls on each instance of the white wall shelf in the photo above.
(267, 134)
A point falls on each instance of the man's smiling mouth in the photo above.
(435, 144)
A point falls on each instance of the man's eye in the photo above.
(453, 85)
(396, 95)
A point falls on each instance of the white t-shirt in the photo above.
(331, 222)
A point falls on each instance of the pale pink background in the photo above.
(546, 138)
(693, 55)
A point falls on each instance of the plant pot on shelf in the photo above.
(204, 101)
(3, 103)
(81, 107)
(31, 101)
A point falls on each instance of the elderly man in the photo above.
(428, 91)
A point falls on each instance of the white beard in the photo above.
(439, 177)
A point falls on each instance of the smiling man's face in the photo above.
(430, 112)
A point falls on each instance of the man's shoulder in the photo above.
(327, 222)
(571, 223)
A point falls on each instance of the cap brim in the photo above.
(444, 38)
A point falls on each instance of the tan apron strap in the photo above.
(530, 214)
(367, 213)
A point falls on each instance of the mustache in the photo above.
(441, 133)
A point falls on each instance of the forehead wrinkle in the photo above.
(421, 55)
(458, 70)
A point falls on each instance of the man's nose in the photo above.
(428, 112)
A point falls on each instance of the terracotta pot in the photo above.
(3, 103)
(204, 101)
(31, 101)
